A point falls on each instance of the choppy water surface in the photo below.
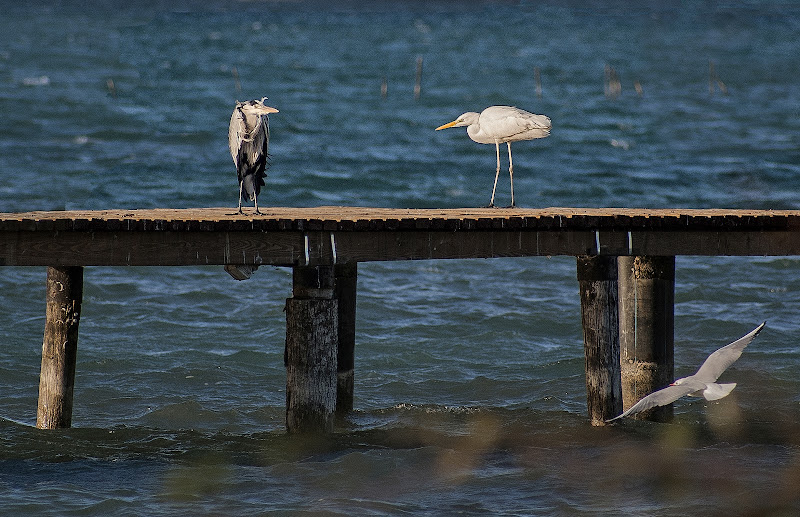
(469, 374)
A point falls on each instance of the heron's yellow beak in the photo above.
(268, 109)
(449, 124)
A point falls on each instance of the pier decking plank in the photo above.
(287, 236)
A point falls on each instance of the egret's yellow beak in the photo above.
(449, 124)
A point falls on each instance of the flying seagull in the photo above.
(701, 384)
(506, 124)
(248, 140)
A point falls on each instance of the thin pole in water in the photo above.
(235, 73)
(418, 79)
(112, 89)
(613, 86)
(714, 80)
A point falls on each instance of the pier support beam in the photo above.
(345, 294)
(597, 278)
(312, 322)
(647, 321)
(59, 347)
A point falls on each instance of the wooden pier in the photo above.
(625, 266)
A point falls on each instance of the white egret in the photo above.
(701, 384)
(248, 140)
(506, 124)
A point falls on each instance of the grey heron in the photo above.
(248, 140)
(703, 383)
(506, 124)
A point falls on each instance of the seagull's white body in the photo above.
(703, 383)
(497, 124)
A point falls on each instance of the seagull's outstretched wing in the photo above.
(720, 360)
(661, 397)
(706, 376)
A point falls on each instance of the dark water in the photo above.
(469, 374)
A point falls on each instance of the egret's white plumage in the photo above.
(703, 382)
(248, 140)
(498, 124)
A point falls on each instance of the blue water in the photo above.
(469, 390)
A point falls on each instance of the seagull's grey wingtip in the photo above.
(618, 417)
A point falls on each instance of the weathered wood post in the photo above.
(311, 347)
(597, 278)
(345, 294)
(646, 333)
(59, 347)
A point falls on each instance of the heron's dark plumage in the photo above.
(251, 168)
(248, 140)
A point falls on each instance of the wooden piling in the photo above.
(597, 278)
(647, 321)
(59, 347)
(311, 349)
(345, 294)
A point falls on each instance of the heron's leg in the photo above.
(497, 173)
(255, 198)
(241, 184)
(511, 172)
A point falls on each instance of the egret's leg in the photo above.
(511, 172)
(497, 173)
(240, 196)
